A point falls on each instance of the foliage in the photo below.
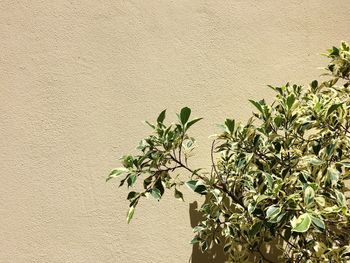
(278, 179)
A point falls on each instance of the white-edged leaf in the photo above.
(320, 200)
(312, 159)
(116, 172)
(196, 186)
(130, 214)
(309, 195)
(333, 176)
(341, 201)
(345, 163)
(302, 223)
(272, 212)
(259, 198)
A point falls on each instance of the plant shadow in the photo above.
(216, 254)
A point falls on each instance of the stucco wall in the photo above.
(78, 77)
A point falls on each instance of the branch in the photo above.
(221, 187)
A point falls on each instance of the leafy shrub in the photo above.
(278, 179)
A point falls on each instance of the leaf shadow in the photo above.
(216, 254)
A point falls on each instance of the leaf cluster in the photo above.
(277, 180)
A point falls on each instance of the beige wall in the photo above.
(78, 77)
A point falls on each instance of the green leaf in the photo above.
(309, 195)
(156, 193)
(345, 163)
(131, 180)
(130, 214)
(128, 161)
(320, 200)
(257, 105)
(230, 124)
(278, 121)
(318, 223)
(159, 185)
(272, 212)
(192, 184)
(302, 223)
(255, 229)
(330, 149)
(334, 51)
(178, 195)
(260, 198)
(333, 176)
(290, 100)
(132, 195)
(287, 233)
(333, 108)
(161, 117)
(312, 159)
(196, 186)
(190, 123)
(345, 46)
(341, 200)
(122, 181)
(269, 179)
(314, 85)
(116, 172)
(185, 115)
(195, 241)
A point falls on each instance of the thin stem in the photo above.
(182, 139)
(212, 161)
(221, 187)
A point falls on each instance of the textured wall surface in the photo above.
(78, 77)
